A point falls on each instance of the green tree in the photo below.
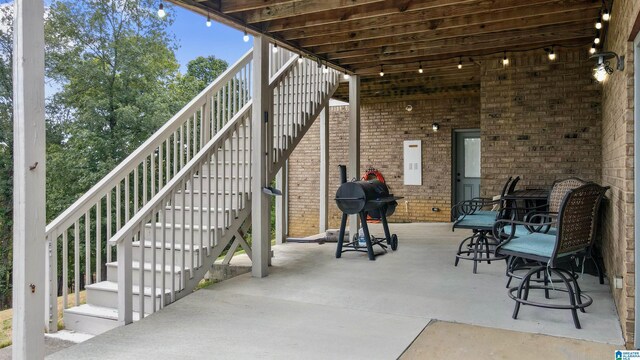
(6, 150)
(115, 65)
(206, 69)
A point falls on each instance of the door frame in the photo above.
(454, 160)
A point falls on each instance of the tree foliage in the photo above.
(6, 149)
(206, 69)
(114, 63)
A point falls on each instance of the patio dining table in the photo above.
(533, 195)
(532, 198)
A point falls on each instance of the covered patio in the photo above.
(518, 73)
(315, 306)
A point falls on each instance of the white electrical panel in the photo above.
(413, 162)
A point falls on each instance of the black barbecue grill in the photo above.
(361, 197)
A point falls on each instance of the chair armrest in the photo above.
(468, 207)
(500, 235)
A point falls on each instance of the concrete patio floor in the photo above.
(315, 306)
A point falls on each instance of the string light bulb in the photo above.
(593, 49)
(346, 76)
(300, 59)
(246, 36)
(161, 12)
(460, 63)
(505, 59)
(381, 71)
(597, 39)
(275, 48)
(325, 69)
(420, 71)
(606, 16)
(208, 21)
(599, 23)
(552, 55)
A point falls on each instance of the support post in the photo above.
(29, 218)
(261, 117)
(324, 170)
(281, 204)
(51, 301)
(125, 281)
(353, 169)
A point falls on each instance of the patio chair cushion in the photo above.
(520, 230)
(535, 244)
(475, 221)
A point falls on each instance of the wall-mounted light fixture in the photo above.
(409, 107)
(603, 67)
(435, 127)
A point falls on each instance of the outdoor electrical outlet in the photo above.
(618, 282)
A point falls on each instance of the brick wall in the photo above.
(384, 128)
(545, 120)
(540, 119)
(617, 165)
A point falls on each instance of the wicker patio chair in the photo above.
(546, 213)
(576, 223)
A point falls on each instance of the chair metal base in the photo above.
(478, 247)
(577, 300)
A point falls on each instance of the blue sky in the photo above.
(195, 39)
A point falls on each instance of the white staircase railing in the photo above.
(207, 171)
(191, 192)
(91, 221)
(299, 93)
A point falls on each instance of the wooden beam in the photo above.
(367, 11)
(29, 174)
(435, 93)
(445, 16)
(452, 27)
(420, 80)
(408, 64)
(300, 8)
(389, 44)
(234, 6)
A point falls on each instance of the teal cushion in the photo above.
(476, 221)
(534, 244)
(520, 230)
(485, 212)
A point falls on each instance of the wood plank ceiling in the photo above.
(402, 35)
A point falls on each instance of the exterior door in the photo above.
(466, 178)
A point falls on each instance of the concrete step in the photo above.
(92, 319)
(159, 248)
(149, 272)
(105, 294)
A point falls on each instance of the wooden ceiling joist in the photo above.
(367, 11)
(444, 17)
(301, 7)
(360, 35)
(487, 23)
